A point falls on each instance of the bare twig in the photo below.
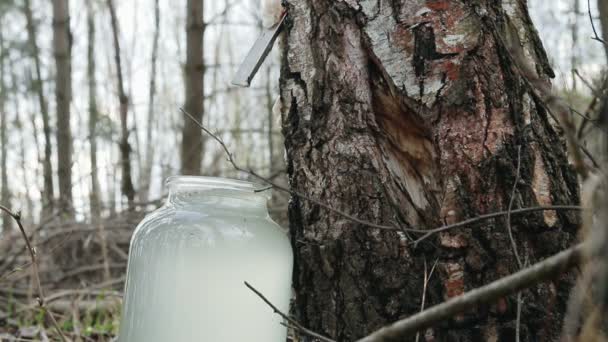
(479, 218)
(35, 273)
(513, 244)
(295, 324)
(232, 161)
(222, 13)
(594, 91)
(590, 108)
(525, 278)
(588, 154)
(597, 37)
(427, 278)
(509, 228)
(520, 303)
(393, 227)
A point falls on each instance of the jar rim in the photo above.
(216, 183)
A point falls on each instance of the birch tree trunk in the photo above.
(93, 114)
(48, 192)
(412, 112)
(62, 49)
(192, 138)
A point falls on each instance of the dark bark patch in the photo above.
(425, 48)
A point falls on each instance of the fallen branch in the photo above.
(523, 279)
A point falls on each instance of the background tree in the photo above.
(4, 189)
(125, 148)
(422, 127)
(192, 139)
(48, 192)
(602, 6)
(149, 157)
(62, 49)
(93, 112)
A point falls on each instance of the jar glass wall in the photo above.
(188, 262)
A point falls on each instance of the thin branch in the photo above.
(523, 279)
(590, 156)
(594, 91)
(597, 37)
(509, 228)
(479, 218)
(513, 244)
(520, 303)
(232, 161)
(427, 278)
(591, 108)
(427, 232)
(222, 13)
(289, 319)
(35, 272)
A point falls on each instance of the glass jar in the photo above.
(188, 262)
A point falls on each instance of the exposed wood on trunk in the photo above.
(48, 190)
(410, 111)
(93, 114)
(62, 49)
(192, 138)
(147, 170)
(125, 149)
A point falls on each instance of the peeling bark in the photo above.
(410, 111)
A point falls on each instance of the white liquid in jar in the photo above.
(186, 277)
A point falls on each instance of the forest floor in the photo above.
(82, 271)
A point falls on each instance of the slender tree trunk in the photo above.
(91, 68)
(192, 139)
(411, 112)
(22, 146)
(270, 118)
(574, 53)
(93, 115)
(48, 192)
(602, 6)
(147, 171)
(125, 148)
(5, 195)
(62, 48)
